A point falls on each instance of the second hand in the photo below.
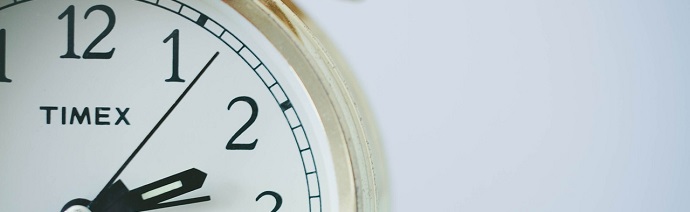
(141, 145)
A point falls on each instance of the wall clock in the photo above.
(165, 105)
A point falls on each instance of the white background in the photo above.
(504, 105)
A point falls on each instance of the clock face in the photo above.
(158, 104)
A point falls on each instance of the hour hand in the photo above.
(151, 196)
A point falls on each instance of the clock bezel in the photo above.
(350, 129)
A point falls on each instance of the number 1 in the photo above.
(175, 36)
(3, 38)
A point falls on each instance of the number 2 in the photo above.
(255, 112)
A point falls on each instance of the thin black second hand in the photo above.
(146, 139)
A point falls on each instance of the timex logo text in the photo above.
(85, 115)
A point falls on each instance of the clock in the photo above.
(171, 105)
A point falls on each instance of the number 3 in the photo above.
(279, 200)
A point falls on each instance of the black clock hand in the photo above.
(151, 196)
(113, 200)
(105, 189)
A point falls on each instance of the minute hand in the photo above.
(103, 191)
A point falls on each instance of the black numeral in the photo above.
(255, 112)
(279, 200)
(69, 13)
(3, 45)
(175, 36)
(111, 23)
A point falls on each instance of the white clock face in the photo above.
(138, 105)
